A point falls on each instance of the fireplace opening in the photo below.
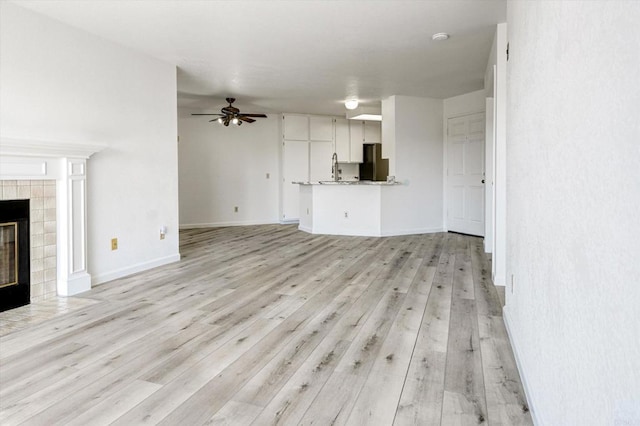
(14, 254)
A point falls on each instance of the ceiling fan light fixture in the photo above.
(231, 114)
(440, 36)
(351, 104)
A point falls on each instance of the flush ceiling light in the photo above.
(351, 104)
(440, 36)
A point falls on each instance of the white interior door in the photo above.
(295, 168)
(465, 174)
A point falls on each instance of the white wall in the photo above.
(416, 141)
(226, 167)
(499, 258)
(469, 103)
(491, 62)
(573, 200)
(489, 141)
(63, 84)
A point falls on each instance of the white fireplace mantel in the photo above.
(66, 163)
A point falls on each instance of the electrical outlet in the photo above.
(114, 244)
(268, 175)
(346, 214)
(235, 209)
(163, 232)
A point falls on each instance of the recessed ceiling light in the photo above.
(351, 104)
(440, 36)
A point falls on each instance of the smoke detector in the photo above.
(440, 36)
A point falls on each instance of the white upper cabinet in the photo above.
(372, 132)
(343, 147)
(356, 130)
(321, 129)
(296, 127)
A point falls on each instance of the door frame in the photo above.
(445, 151)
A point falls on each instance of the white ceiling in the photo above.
(299, 56)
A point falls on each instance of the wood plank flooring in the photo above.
(267, 325)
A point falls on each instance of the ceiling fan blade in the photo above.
(245, 118)
(255, 115)
(222, 115)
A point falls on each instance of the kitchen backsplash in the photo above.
(350, 171)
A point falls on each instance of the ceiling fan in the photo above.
(231, 114)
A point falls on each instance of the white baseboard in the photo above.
(305, 229)
(139, 267)
(223, 224)
(416, 231)
(499, 280)
(516, 353)
(74, 284)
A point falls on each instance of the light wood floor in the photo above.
(269, 325)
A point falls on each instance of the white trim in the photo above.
(129, 270)
(362, 233)
(28, 159)
(41, 148)
(75, 284)
(222, 224)
(416, 231)
(305, 229)
(445, 165)
(527, 392)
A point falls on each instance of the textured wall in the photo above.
(573, 167)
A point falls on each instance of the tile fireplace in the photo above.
(52, 176)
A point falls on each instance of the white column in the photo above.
(73, 277)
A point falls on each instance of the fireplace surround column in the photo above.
(73, 277)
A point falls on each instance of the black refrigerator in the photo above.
(373, 166)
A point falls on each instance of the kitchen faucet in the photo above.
(334, 167)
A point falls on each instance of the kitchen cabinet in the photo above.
(295, 168)
(356, 139)
(320, 154)
(350, 135)
(321, 129)
(307, 147)
(372, 132)
(295, 127)
(343, 145)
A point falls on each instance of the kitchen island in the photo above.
(346, 207)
